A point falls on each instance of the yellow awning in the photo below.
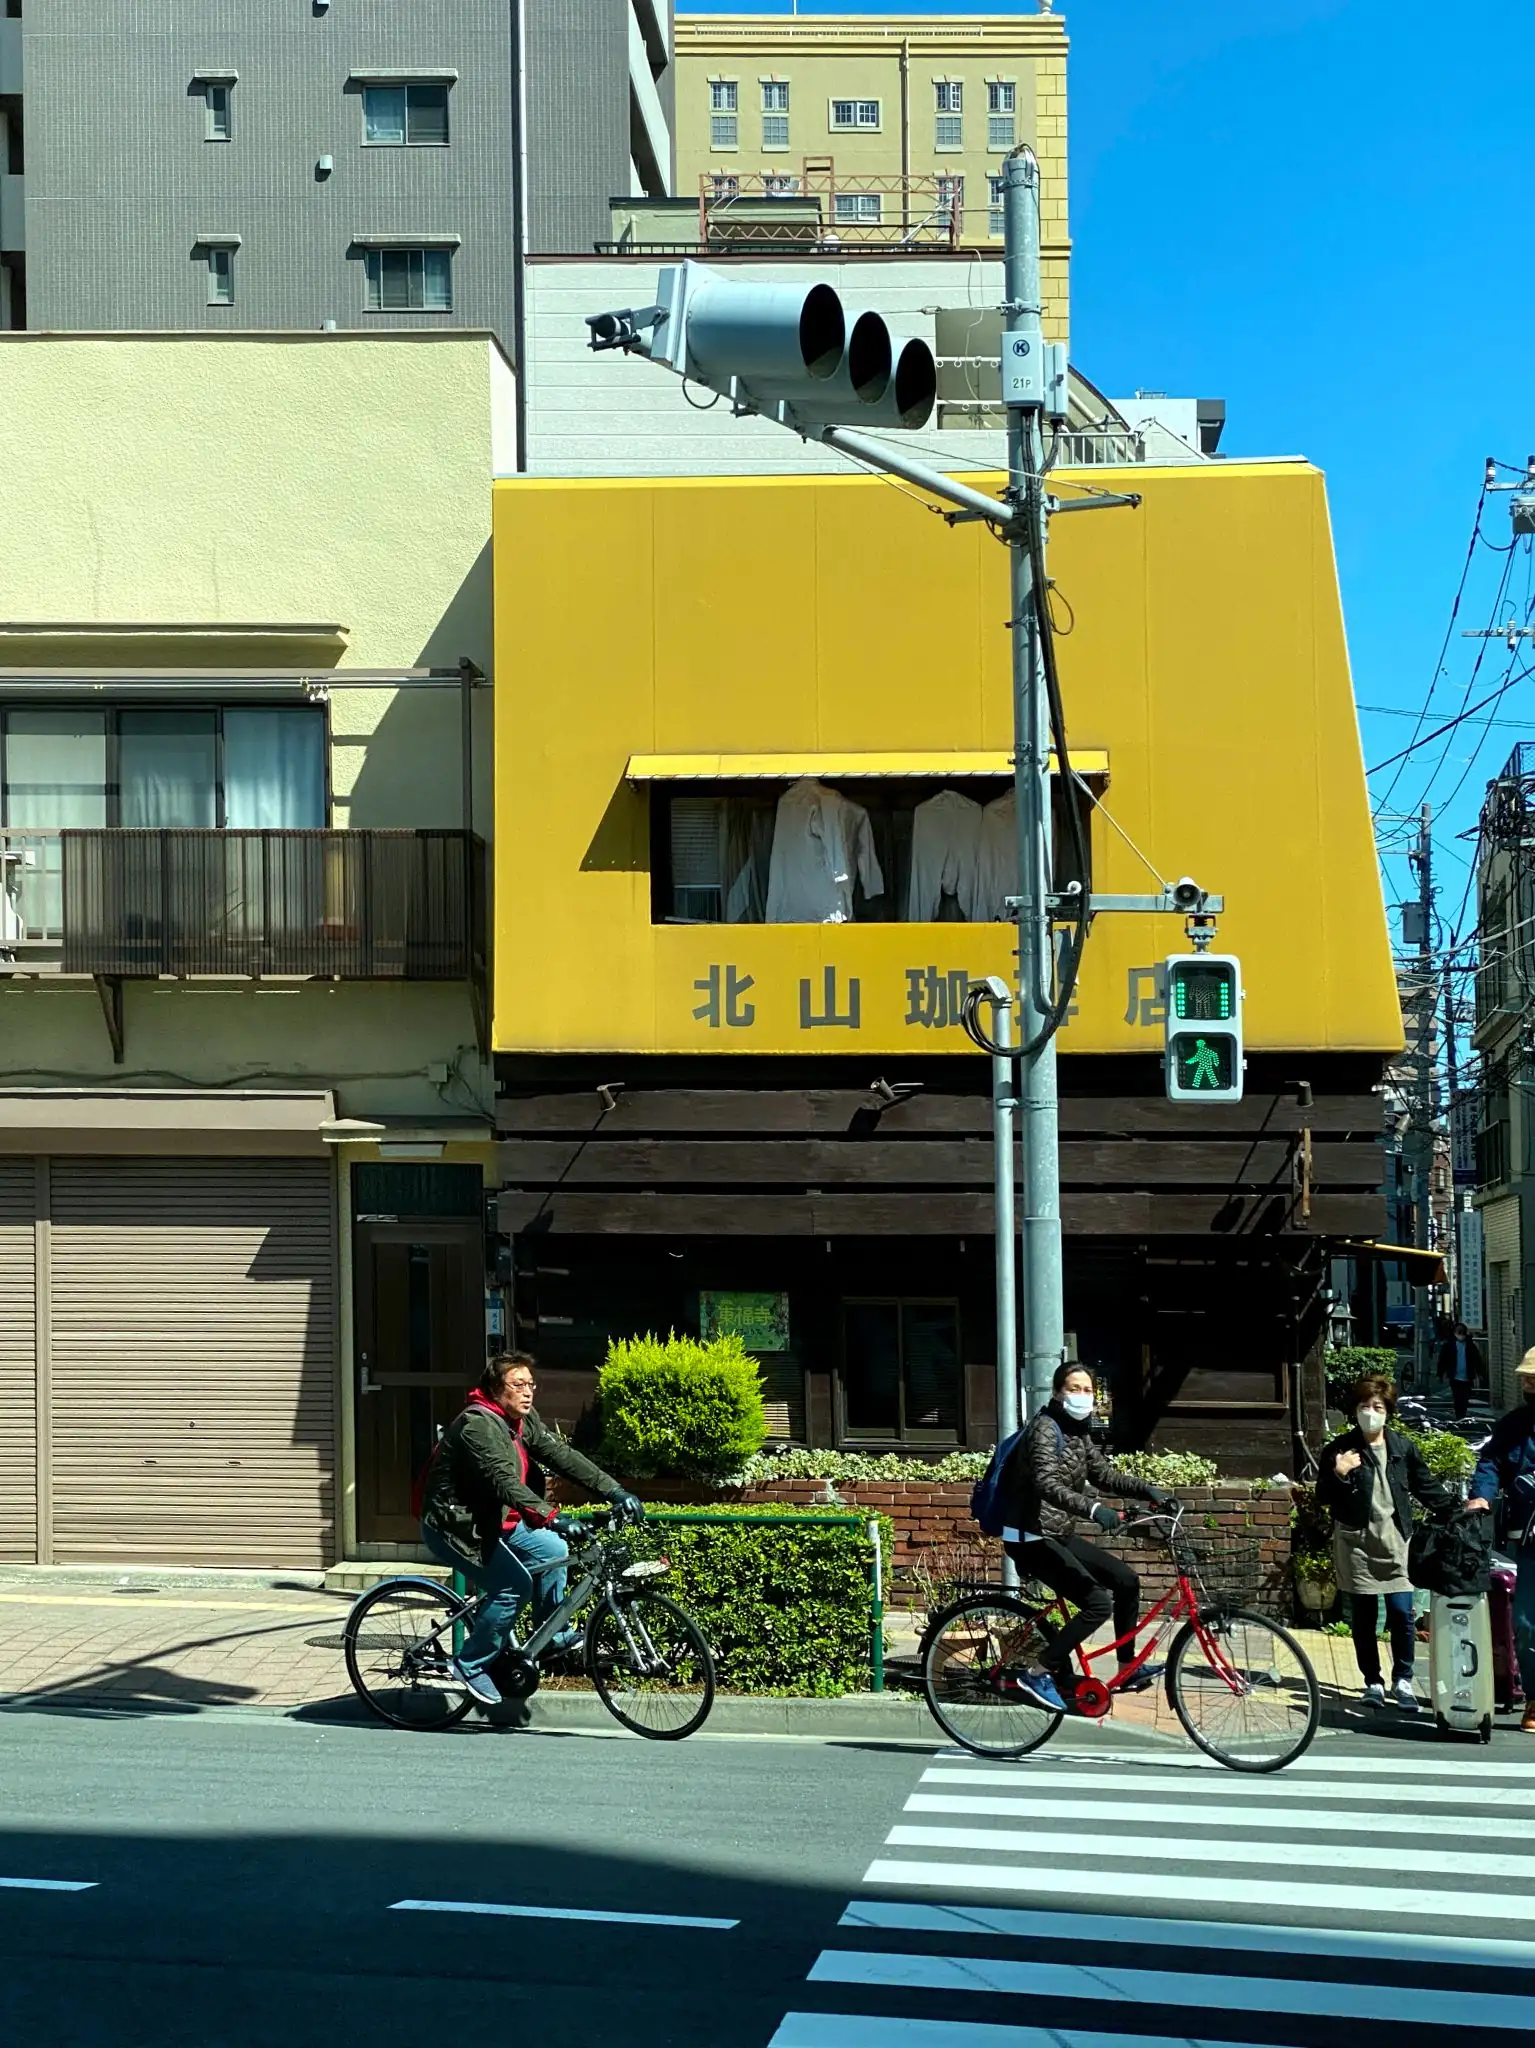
(1423, 1267)
(936, 766)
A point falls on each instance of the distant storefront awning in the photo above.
(917, 763)
(1422, 1268)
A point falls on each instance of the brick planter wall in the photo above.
(935, 1538)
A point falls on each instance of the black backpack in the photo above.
(1452, 1555)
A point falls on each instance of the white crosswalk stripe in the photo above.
(1036, 1905)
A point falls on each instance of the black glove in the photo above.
(566, 1527)
(627, 1507)
(1162, 1500)
(1106, 1517)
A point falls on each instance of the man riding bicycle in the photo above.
(1049, 1484)
(480, 1516)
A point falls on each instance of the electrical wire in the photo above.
(1476, 528)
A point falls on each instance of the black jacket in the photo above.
(1476, 1364)
(477, 1482)
(1054, 1477)
(1349, 1495)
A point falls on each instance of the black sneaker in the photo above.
(1143, 1680)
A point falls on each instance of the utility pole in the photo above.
(1044, 1310)
(1452, 1089)
(1422, 1126)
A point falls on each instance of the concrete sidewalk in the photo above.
(142, 1641)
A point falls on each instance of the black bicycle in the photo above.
(647, 1660)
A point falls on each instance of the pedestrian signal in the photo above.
(1203, 1059)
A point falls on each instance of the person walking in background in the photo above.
(1507, 1467)
(1370, 1477)
(1460, 1361)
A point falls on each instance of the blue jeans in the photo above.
(1363, 1616)
(1524, 1618)
(525, 1562)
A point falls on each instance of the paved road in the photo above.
(1378, 1891)
(246, 1872)
(245, 1866)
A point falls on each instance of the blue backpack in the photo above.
(987, 1507)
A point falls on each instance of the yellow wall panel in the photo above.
(1205, 655)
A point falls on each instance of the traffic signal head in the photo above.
(791, 351)
(1203, 1058)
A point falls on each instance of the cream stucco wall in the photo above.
(289, 479)
(897, 60)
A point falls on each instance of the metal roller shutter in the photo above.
(194, 1374)
(18, 1364)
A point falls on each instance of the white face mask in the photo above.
(1078, 1406)
(1371, 1420)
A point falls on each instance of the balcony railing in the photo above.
(364, 906)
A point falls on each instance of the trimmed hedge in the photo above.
(785, 1609)
(1161, 1468)
(675, 1405)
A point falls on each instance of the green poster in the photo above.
(761, 1321)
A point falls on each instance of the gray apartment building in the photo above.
(315, 163)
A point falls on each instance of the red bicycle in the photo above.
(1241, 1685)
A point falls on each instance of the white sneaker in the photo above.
(1403, 1696)
(1375, 1695)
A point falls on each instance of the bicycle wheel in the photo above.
(1245, 1691)
(975, 1652)
(651, 1666)
(398, 1639)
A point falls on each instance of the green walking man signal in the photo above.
(1203, 1059)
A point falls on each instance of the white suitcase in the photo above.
(1460, 1664)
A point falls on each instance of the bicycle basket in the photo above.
(1230, 1567)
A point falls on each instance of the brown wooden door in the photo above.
(420, 1347)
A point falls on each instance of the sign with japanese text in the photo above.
(761, 1321)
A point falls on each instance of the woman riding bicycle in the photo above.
(1049, 1485)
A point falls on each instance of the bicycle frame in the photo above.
(575, 1599)
(1181, 1602)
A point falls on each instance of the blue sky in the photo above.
(1319, 210)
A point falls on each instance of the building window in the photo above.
(221, 277)
(995, 221)
(1001, 114)
(949, 127)
(405, 116)
(951, 199)
(724, 120)
(218, 106)
(713, 861)
(775, 113)
(250, 768)
(900, 1370)
(855, 113)
(858, 208)
(722, 186)
(780, 184)
(410, 281)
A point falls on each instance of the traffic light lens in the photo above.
(1203, 1065)
(1203, 991)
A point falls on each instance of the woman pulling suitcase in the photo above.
(1370, 1477)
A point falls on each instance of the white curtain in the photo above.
(274, 770)
(167, 768)
(55, 776)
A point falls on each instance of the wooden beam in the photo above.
(610, 1161)
(1250, 1218)
(672, 1112)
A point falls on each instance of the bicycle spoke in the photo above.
(978, 1655)
(398, 1642)
(651, 1666)
(1244, 1690)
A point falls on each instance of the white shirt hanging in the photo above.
(996, 861)
(821, 842)
(945, 849)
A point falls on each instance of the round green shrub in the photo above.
(674, 1405)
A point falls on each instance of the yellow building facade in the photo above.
(715, 1078)
(935, 100)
